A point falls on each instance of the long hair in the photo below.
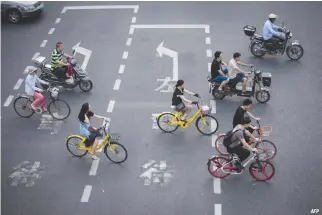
(83, 111)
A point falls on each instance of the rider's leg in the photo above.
(39, 99)
(242, 154)
(224, 82)
(92, 153)
(186, 111)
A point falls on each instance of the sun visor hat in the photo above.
(272, 16)
(30, 70)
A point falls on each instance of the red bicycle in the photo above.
(221, 167)
(266, 148)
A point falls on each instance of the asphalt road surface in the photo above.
(64, 184)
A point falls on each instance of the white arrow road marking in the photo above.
(86, 193)
(164, 83)
(87, 53)
(174, 55)
(148, 164)
(18, 84)
(97, 7)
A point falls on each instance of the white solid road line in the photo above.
(213, 140)
(57, 20)
(86, 193)
(213, 106)
(117, 84)
(121, 69)
(129, 41)
(35, 56)
(217, 187)
(209, 53)
(94, 167)
(51, 31)
(43, 44)
(125, 55)
(110, 106)
(18, 84)
(174, 26)
(8, 101)
(97, 7)
(208, 40)
(217, 209)
(133, 20)
(209, 67)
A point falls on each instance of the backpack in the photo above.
(227, 139)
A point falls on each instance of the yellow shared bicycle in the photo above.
(205, 123)
(113, 150)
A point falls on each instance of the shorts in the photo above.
(88, 142)
(239, 78)
(91, 139)
(220, 77)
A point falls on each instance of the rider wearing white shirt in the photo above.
(31, 88)
(235, 73)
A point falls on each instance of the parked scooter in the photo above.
(258, 86)
(78, 74)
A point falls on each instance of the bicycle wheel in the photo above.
(261, 167)
(220, 146)
(116, 149)
(267, 149)
(167, 119)
(72, 145)
(215, 165)
(22, 107)
(210, 123)
(57, 107)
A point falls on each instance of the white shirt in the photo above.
(30, 84)
(232, 69)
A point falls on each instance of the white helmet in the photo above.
(272, 16)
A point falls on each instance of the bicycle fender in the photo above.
(77, 136)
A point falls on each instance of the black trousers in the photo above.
(275, 41)
(61, 72)
(241, 152)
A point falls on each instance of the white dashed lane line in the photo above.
(209, 53)
(217, 186)
(209, 67)
(217, 209)
(35, 56)
(94, 167)
(8, 101)
(208, 40)
(129, 41)
(43, 44)
(110, 106)
(86, 193)
(121, 69)
(117, 84)
(125, 55)
(51, 31)
(18, 84)
(57, 20)
(133, 20)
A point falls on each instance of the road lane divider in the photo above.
(57, 20)
(208, 41)
(110, 106)
(133, 20)
(43, 44)
(8, 101)
(209, 67)
(129, 41)
(51, 31)
(86, 193)
(209, 53)
(18, 84)
(121, 69)
(94, 167)
(217, 209)
(217, 186)
(117, 84)
(35, 56)
(125, 55)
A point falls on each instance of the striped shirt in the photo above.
(56, 55)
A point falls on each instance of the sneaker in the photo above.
(94, 157)
(239, 166)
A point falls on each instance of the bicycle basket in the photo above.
(54, 92)
(266, 131)
(205, 109)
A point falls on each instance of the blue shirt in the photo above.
(269, 30)
(84, 132)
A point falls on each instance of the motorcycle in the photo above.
(78, 75)
(258, 86)
(259, 47)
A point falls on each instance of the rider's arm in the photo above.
(271, 28)
(184, 99)
(250, 135)
(32, 85)
(40, 81)
(187, 91)
(251, 115)
(242, 64)
(67, 56)
(98, 116)
(245, 144)
(223, 63)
